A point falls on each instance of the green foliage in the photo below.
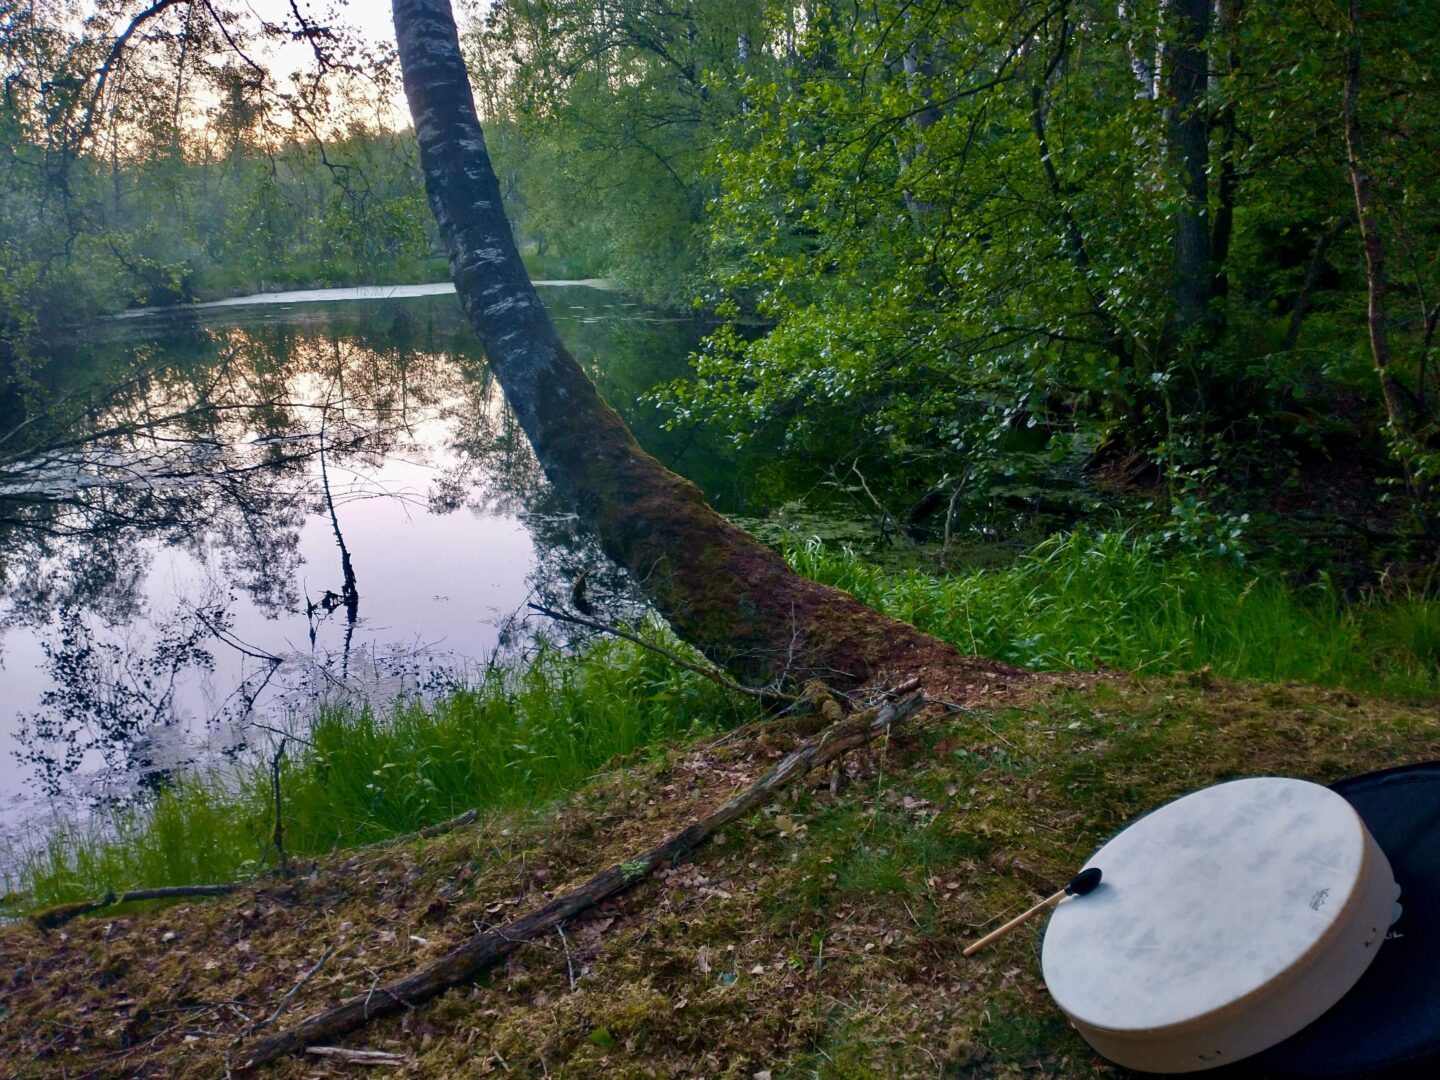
(600, 118)
(1114, 600)
(519, 737)
(960, 219)
(928, 226)
(885, 204)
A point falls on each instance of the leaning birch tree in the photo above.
(721, 590)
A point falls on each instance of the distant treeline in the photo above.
(178, 227)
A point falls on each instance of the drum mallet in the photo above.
(1082, 883)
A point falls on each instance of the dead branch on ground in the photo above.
(285, 1001)
(358, 1057)
(61, 914)
(487, 949)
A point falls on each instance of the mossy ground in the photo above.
(820, 938)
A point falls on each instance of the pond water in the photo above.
(176, 531)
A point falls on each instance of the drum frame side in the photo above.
(1275, 1011)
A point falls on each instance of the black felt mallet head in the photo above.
(1081, 884)
(1085, 882)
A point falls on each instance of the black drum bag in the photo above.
(1392, 1016)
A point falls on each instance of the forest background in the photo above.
(964, 255)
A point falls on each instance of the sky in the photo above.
(370, 18)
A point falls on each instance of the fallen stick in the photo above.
(52, 917)
(61, 914)
(459, 821)
(487, 949)
(358, 1057)
(429, 832)
(285, 1001)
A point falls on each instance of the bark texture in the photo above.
(730, 596)
(1227, 16)
(1115, 338)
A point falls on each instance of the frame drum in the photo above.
(1226, 921)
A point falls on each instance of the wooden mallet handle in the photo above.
(1019, 920)
(1080, 884)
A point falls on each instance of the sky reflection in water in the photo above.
(204, 545)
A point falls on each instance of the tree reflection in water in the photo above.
(220, 461)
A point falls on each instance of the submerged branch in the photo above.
(350, 594)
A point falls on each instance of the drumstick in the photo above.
(1082, 883)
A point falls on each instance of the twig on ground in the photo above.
(950, 706)
(358, 1057)
(429, 832)
(50, 918)
(569, 963)
(909, 686)
(285, 1001)
(736, 733)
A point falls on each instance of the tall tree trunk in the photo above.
(1312, 277)
(1116, 340)
(1227, 13)
(1374, 246)
(1188, 140)
(721, 590)
(918, 64)
(1142, 50)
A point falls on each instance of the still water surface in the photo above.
(175, 533)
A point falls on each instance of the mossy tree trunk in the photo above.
(722, 591)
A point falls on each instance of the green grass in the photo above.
(523, 736)
(1090, 600)
(519, 737)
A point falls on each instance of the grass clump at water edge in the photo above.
(523, 736)
(1088, 600)
(518, 737)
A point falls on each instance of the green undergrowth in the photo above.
(1111, 600)
(516, 737)
(819, 936)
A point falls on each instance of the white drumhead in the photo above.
(1203, 902)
